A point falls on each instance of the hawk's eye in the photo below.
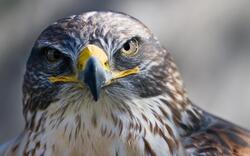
(52, 55)
(130, 48)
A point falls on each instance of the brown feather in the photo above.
(218, 137)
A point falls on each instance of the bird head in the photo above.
(96, 55)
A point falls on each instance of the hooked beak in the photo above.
(94, 76)
(94, 71)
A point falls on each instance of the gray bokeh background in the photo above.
(209, 39)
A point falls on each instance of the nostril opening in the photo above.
(106, 63)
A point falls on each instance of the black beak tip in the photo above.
(94, 78)
(95, 98)
(95, 90)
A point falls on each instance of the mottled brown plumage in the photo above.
(100, 83)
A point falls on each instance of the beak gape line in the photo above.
(94, 71)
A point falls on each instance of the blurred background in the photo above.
(209, 39)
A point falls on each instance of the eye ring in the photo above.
(130, 48)
(52, 55)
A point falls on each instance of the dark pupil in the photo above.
(56, 55)
(53, 55)
(126, 46)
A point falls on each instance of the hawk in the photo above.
(101, 84)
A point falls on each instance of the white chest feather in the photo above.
(97, 131)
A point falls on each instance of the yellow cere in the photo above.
(92, 51)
